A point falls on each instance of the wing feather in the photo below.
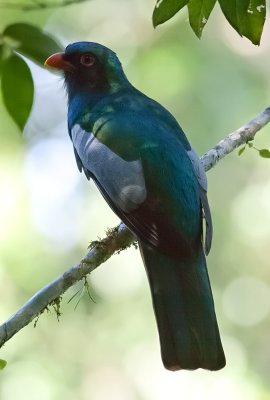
(123, 180)
(202, 180)
(154, 190)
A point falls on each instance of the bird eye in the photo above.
(87, 60)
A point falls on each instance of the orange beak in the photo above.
(58, 61)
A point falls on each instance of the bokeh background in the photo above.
(49, 212)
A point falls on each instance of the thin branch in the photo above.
(235, 139)
(117, 239)
(39, 5)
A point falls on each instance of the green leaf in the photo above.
(254, 21)
(264, 153)
(17, 89)
(5, 52)
(31, 41)
(3, 364)
(241, 150)
(1, 56)
(166, 9)
(247, 17)
(235, 11)
(199, 12)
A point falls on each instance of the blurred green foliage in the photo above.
(29, 41)
(49, 213)
(16, 78)
(3, 364)
(246, 17)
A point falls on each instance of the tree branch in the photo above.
(39, 4)
(235, 139)
(117, 239)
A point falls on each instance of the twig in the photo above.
(39, 5)
(117, 239)
(235, 139)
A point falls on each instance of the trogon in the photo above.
(142, 163)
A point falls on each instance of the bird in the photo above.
(145, 168)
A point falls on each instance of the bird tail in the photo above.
(184, 309)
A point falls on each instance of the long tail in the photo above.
(184, 309)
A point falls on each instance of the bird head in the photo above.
(89, 67)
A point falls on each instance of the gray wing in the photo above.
(122, 181)
(202, 180)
